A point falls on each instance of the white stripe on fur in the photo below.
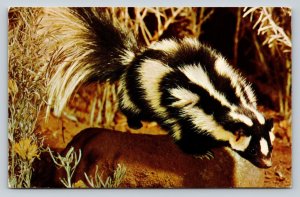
(127, 57)
(258, 115)
(176, 129)
(241, 118)
(249, 92)
(176, 132)
(124, 97)
(185, 97)
(198, 76)
(151, 74)
(205, 122)
(223, 69)
(191, 42)
(167, 45)
(239, 83)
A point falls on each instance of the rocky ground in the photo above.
(59, 132)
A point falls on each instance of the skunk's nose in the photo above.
(267, 162)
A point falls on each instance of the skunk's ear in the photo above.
(269, 124)
(183, 97)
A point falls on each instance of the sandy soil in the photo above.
(280, 174)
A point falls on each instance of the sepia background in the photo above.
(257, 41)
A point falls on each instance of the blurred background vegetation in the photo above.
(257, 41)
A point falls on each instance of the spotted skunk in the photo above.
(189, 89)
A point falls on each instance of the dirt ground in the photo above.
(280, 174)
(58, 132)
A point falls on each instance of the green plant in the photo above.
(68, 163)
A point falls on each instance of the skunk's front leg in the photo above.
(195, 145)
(133, 119)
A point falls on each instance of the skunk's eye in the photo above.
(252, 151)
(239, 133)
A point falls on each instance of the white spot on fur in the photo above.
(151, 73)
(264, 149)
(167, 45)
(241, 118)
(185, 97)
(241, 144)
(198, 76)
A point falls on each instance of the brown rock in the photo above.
(155, 161)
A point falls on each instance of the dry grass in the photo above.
(26, 88)
(32, 64)
(274, 26)
(268, 24)
(110, 182)
(69, 163)
(188, 21)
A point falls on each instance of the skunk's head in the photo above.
(255, 142)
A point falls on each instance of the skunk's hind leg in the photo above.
(134, 123)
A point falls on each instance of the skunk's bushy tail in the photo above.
(89, 46)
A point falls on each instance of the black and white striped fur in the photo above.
(188, 88)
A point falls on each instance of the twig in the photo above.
(236, 36)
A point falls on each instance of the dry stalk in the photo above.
(110, 182)
(27, 73)
(275, 30)
(236, 35)
(69, 163)
(267, 25)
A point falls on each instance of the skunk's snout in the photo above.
(265, 162)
